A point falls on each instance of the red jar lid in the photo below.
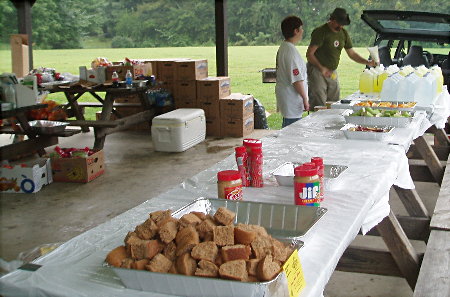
(310, 164)
(240, 149)
(317, 160)
(252, 142)
(305, 170)
(228, 175)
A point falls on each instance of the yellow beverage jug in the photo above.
(366, 81)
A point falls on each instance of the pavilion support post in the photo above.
(221, 37)
(24, 22)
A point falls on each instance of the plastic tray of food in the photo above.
(281, 221)
(47, 127)
(388, 105)
(399, 122)
(352, 131)
(285, 174)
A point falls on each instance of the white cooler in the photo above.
(178, 130)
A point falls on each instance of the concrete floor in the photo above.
(134, 174)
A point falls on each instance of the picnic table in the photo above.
(35, 142)
(356, 204)
(105, 125)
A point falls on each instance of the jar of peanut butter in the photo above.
(306, 185)
(229, 185)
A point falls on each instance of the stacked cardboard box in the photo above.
(186, 74)
(236, 113)
(209, 92)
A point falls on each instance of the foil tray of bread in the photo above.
(259, 274)
(284, 174)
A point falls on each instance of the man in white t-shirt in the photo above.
(292, 84)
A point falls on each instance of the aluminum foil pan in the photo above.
(400, 122)
(282, 221)
(285, 174)
(385, 105)
(285, 222)
(366, 135)
(47, 127)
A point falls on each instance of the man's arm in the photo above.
(313, 60)
(300, 88)
(358, 59)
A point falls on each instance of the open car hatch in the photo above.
(406, 25)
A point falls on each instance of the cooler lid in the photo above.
(180, 115)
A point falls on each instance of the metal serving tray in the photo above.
(285, 174)
(400, 122)
(355, 105)
(366, 135)
(47, 127)
(281, 221)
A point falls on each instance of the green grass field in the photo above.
(244, 64)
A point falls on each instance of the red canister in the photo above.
(321, 172)
(251, 144)
(256, 170)
(242, 163)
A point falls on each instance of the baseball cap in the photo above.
(341, 16)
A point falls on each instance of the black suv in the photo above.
(407, 33)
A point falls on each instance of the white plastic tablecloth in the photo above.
(75, 268)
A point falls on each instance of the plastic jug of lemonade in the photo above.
(437, 72)
(408, 87)
(390, 87)
(378, 78)
(425, 90)
(366, 81)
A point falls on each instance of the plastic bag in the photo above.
(260, 115)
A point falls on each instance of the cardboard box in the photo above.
(134, 98)
(144, 69)
(237, 127)
(78, 170)
(95, 75)
(166, 70)
(19, 54)
(213, 88)
(153, 62)
(212, 109)
(185, 104)
(120, 69)
(186, 92)
(236, 105)
(213, 127)
(26, 179)
(168, 85)
(191, 69)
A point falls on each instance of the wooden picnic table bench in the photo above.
(434, 275)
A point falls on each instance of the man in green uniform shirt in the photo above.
(323, 54)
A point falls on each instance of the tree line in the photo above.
(171, 23)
